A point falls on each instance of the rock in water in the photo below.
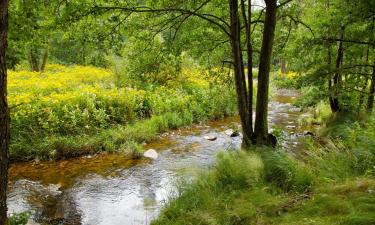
(231, 133)
(210, 138)
(151, 153)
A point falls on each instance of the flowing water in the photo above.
(111, 189)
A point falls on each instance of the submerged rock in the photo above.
(210, 138)
(151, 153)
(231, 133)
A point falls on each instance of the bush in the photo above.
(19, 218)
(69, 102)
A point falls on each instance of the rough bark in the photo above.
(239, 77)
(4, 113)
(261, 124)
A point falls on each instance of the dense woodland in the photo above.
(83, 77)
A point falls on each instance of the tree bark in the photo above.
(239, 77)
(334, 100)
(4, 113)
(249, 52)
(34, 60)
(370, 100)
(283, 66)
(261, 124)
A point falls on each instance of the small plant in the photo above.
(19, 218)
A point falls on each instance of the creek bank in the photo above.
(112, 189)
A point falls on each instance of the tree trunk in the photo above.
(34, 60)
(334, 100)
(4, 113)
(239, 77)
(249, 52)
(261, 124)
(283, 66)
(370, 100)
(45, 59)
(365, 84)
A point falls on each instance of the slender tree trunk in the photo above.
(249, 52)
(45, 59)
(283, 66)
(364, 86)
(370, 100)
(4, 113)
(34, 60)
(362, 96)
(239, 77)
(334, 102)
(261, 124)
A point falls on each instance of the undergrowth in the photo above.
(328, 184)
(70, 111)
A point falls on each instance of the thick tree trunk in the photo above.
(4, 113)
(261, 124)
(239, 77)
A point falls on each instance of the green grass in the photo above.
(121, 138)
(326, 185)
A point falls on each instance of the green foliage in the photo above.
(79, 110)
(311, 96)
(19, 218)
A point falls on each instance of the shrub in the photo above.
(69, 102)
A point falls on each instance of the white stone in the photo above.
(151, 153)
(231, 133)
(210, 138)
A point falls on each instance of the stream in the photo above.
(111, 189)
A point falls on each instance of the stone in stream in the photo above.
(210, 138)
(151, 153)
(231, 133)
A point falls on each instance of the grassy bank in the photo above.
(331, 184)
(70, 111)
